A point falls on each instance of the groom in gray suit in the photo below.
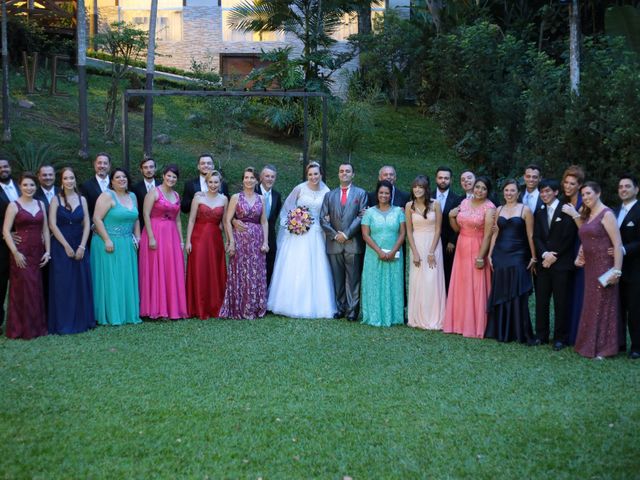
(340, 220)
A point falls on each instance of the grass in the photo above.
(283, 398)
(406, 139)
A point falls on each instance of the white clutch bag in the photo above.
(397, 255)
(606, 276)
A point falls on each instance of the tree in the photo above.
(124, 43)
(310, 21)
(82, 79)
(574, 46)
(148, 101)
(6, 135)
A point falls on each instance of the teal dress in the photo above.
(115, 275)
(382, 282)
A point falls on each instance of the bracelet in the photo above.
(617, 272)
(479, 259)
(534, 260)
(430, 254)
(576, 216)
(81, 247)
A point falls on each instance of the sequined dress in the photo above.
(246, 292)
(598, 328)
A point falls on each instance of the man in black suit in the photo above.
(398, 197)
(144, 186)
(199, 184)
(9, 192)
(448, 200)
(530, 195)
(92, 188)
(628, 215)
(46, 189)
(554, 236)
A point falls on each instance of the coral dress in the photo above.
(206, 265)
(162, 285)
(598, 327)
(466, 311)
(26, 316)
(427, 295)
(246, 292)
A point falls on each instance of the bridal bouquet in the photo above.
(299, 220)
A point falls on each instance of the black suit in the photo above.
(91, 191)
(140, 191)
(399, 198)
(191, 187)
(274, 214)
(630, 280)
(557, 280)
(40, 195)
(447, 234)
(5, 254)
(539, 203)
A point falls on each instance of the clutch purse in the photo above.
(397, 255)
(606, 276)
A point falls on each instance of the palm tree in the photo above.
(81, 32)
(148, 100)
(310, 21)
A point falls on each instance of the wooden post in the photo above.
(30, 71)
(6, 134)
(324, 134)
(125, 129)
(305, 141)
(574, 46)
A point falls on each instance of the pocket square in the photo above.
(631, 224)
(558, 219)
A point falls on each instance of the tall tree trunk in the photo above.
(574, 46)
(94, 25)
(6, 134)
(81, 32)
(148, 100)
(364, 18)
(435, 9)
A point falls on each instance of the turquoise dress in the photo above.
(382, 282)
(115, 275)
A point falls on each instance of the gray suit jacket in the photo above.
(335, 218)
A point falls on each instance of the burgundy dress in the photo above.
(598, 327)
(206, 265)
(26, 318)
(246, 293)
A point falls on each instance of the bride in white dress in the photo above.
(302, 285)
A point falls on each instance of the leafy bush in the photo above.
(30, 156)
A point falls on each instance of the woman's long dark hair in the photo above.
(421, 181)
(75, 187)
(586, 211)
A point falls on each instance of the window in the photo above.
(231, 35)
(168, 23)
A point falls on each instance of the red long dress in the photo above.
(206, 266)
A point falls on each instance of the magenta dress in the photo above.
(598, 327)
(161, 271)
(466, 311)
(246, 292)
(26, 317)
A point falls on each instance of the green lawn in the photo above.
(285, 398)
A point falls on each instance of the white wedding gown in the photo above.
(302, 285)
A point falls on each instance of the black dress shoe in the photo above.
(558, 346)
(338, 315)
(352, 317)
(634, 355)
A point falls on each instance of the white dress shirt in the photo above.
(103, 182)
(149, 185)
(442, 197)
(203, 184)
(10, 191)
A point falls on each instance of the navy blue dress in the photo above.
(70, 290)
(511, 284)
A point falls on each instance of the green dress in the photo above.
(115, 275)
(382, 282)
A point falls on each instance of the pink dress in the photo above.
(427, 294)
(466, 311)
(162, 280)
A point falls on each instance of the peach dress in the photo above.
(466, 311)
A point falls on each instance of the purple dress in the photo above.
(246, 292)
(598, 328)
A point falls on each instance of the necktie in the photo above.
(621, 215)
(11, 192)
(343, 196)
(267, 202)
(103, 185)
(550, 214)
(441, 199)
(149, 187)
(49, 195)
